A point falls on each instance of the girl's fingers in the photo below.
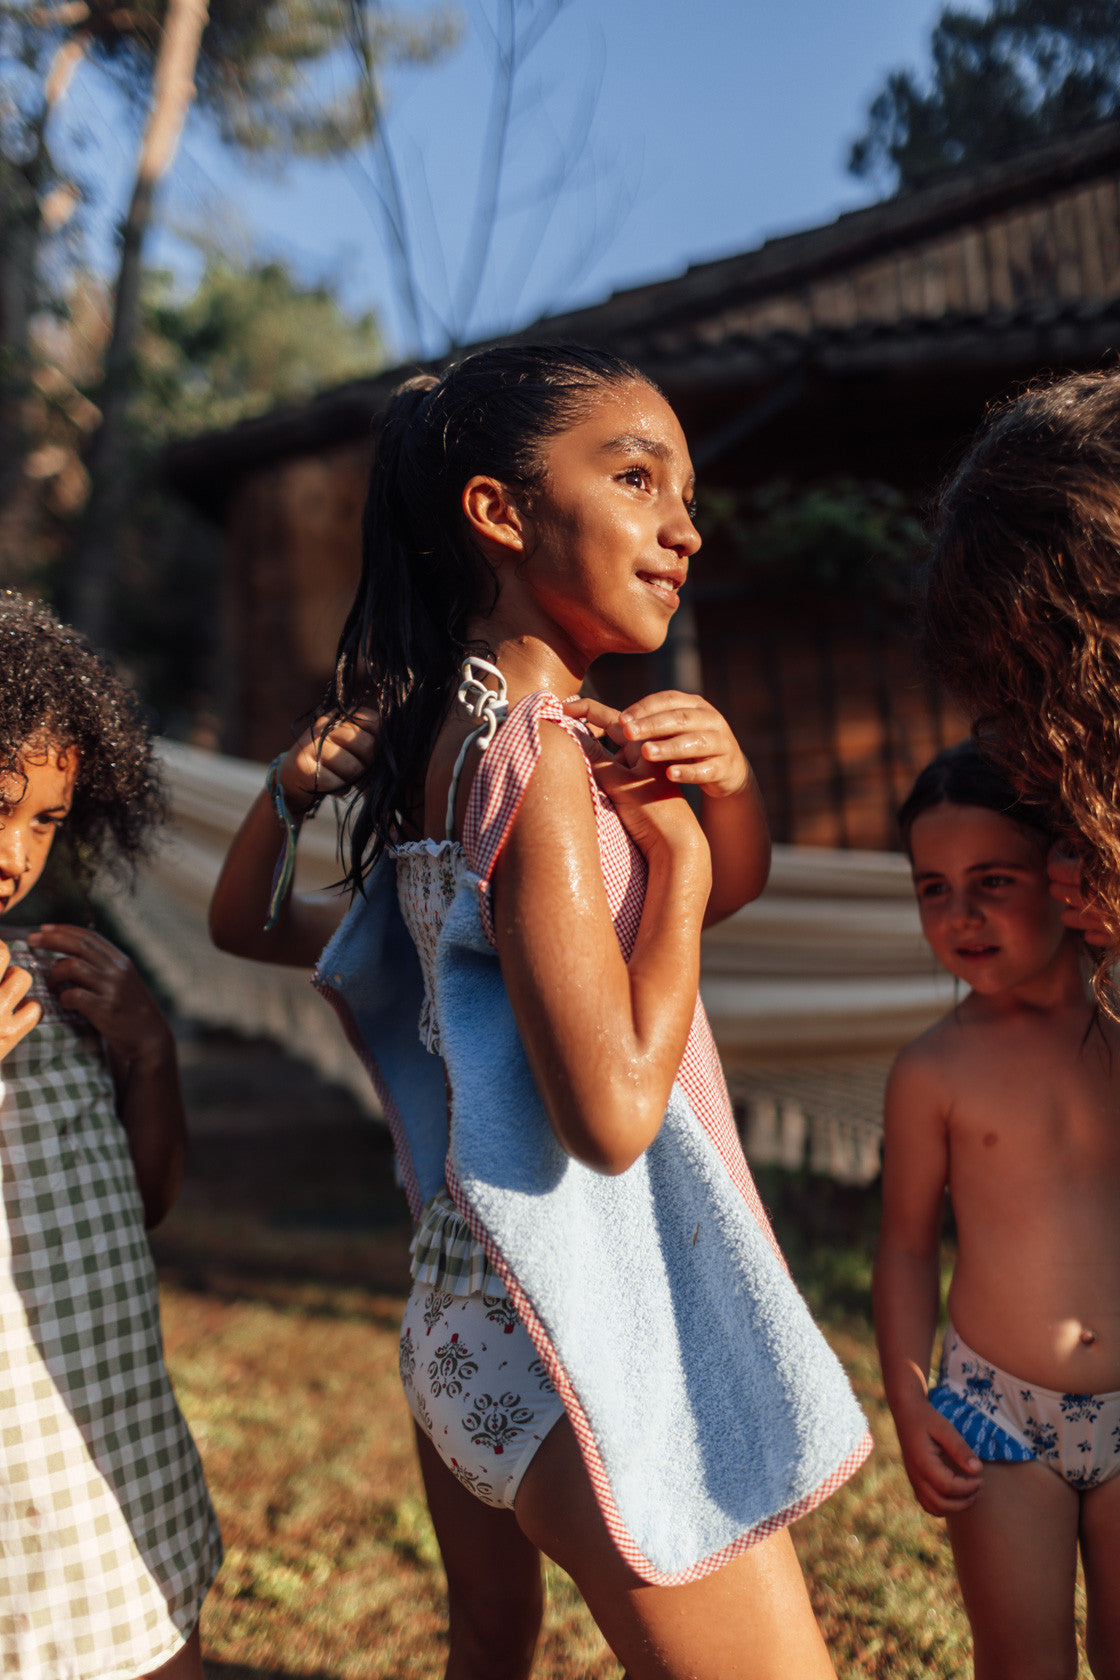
(598, 716)
(20, 1022)
(666, 720)
(15, 985)
(958, 1456)
(695, 744)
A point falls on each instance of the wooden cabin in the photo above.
(868, 347)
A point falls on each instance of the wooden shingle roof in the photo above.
(1015, 265)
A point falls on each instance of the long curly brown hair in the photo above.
(1022, 614)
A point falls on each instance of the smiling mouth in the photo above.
(965, 952)
(664, 583)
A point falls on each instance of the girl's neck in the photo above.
(529, 663)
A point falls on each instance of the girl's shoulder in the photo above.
(927, 1072)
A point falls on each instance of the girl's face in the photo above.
(984, 898)
(34, 802)
(609, 533)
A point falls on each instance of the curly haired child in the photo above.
(1022, 623)
(108, 1542)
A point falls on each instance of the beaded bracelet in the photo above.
(286, 862)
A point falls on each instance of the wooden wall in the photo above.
(293, 545)
(825, 694)
(829, 701)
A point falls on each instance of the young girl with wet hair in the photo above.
(108, 1543)
(603, 1353)
(1022, 623)
(1010, 1103)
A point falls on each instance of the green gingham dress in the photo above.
(108, 1541)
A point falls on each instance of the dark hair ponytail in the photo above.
(962, 775)
(423, 577)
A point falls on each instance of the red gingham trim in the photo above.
(392, 1112)
(495, 797)
(589, 1449)
(499, 786)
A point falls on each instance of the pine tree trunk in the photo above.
(94, 560)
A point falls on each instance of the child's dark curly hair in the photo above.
(56, 691)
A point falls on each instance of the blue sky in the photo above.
(718, 123)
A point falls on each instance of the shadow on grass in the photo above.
(367, 1296)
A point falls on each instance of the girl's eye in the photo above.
(692, 508)
(993, 883)
(639, 477)
(931, 889)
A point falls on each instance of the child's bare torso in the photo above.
(1033, 1126)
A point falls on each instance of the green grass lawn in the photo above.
(283, 1348)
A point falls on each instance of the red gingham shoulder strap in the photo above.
(499, 786)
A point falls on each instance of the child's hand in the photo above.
(681, 733)
(96, 980)
(328, 758)
(943, 1470)
(18, 1012)
(1065, 885)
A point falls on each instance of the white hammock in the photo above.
(810, 991)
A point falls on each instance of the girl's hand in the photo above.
(1065, 885)
(18, 1013)
(682, 734)
(943, 1470)
(96, 980)
(328, 758)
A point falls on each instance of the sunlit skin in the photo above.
(1012, 1101)
(90, 977)
(590, 561)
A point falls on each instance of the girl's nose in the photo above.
(963, 909)
(13, 852)
(682, 536)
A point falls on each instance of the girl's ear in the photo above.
(492, 513)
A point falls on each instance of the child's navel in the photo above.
(990, 1139)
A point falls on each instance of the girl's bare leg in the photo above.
(495, 1598)
(750, 1620)
(186, 1664)
(1100, 1555)
(1016, 1555)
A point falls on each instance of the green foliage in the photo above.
(253, 74)
(244, 341)
(1025, 72)
(256, 75)
(837, 533)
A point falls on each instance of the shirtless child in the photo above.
(1012, 1102)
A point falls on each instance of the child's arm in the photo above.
(693, 743)
(315, 764)
(943, 1471)
(96, 980)
(604, 1037)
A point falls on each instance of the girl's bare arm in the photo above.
(943, 1471)
(323, 760)
(685, 735)
(604, 1038)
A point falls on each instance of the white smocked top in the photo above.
(445, 1253)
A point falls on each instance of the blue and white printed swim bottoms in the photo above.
(1008, 1421)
